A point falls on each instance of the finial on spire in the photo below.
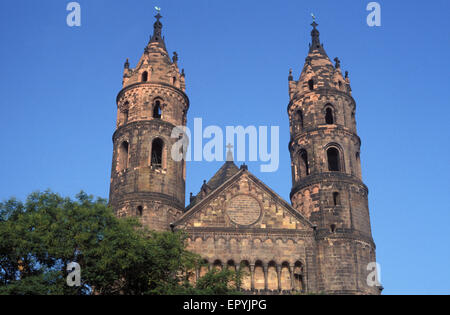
(175, 57)
(338, 63)
(127, 64)
(157, 27)
(230, 157)
(291, 77)
(313, 17)
(315, 34)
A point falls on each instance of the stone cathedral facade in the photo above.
(320, 242)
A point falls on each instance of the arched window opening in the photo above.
(174, 80)
(260, 282)
(157, 154)
(358, 164)
(123, 156)
(140, 211)
(272, 276)
(304, 165)
(299, 120)
(298, 276)
(204, 268)
(286, 282)
(246, 282)
(311, 85)
(218, 265)
(336, 199)
(125, 116)
(157, 113)
(333, 228)
(231, 265)
(145, 76)
(333, 160)
(329, 117)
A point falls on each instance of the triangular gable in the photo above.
(243, 201)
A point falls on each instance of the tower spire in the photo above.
(315, 44)
(157, 31)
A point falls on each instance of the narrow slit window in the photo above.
(145, 76)
(123, 156)
(329, 117)
(157, 113)
(157, 154)
(333, 160)
(299, 120)
(304, 165)
(336, 199)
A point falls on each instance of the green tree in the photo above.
(40, 237)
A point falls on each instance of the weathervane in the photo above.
(314, 17)
(158, 9)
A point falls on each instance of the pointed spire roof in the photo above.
(157, 33)
(315, 39)
(318, 67)
(228, 170)
(317, 55)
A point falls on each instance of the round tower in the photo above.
(326, 172)
(146, 181)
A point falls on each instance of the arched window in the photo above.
(145, 76)
(157, 153)
(336, 199)
(218, 265)
(259, 278)
(311, 85)
(304, 165)
(140, 211)
(358, 164)
(286, 282)
(125, 116)
(299, 120)
(329, 117)
(298, 276)
(157, 113)
(123, 156)
(246, 282)
(272, 276)
(334, 164)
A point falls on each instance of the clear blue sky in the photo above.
(59, 85)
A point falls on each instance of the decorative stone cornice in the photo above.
(135, 124)
(169, 200)
(154, 84)
(322, 92)
(344, 234)
(339, 128)
(329, 176)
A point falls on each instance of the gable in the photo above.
(243, 202)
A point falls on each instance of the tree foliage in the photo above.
(40, 237)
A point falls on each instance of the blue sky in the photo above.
(59, 86)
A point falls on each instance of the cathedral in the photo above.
(318, 243)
